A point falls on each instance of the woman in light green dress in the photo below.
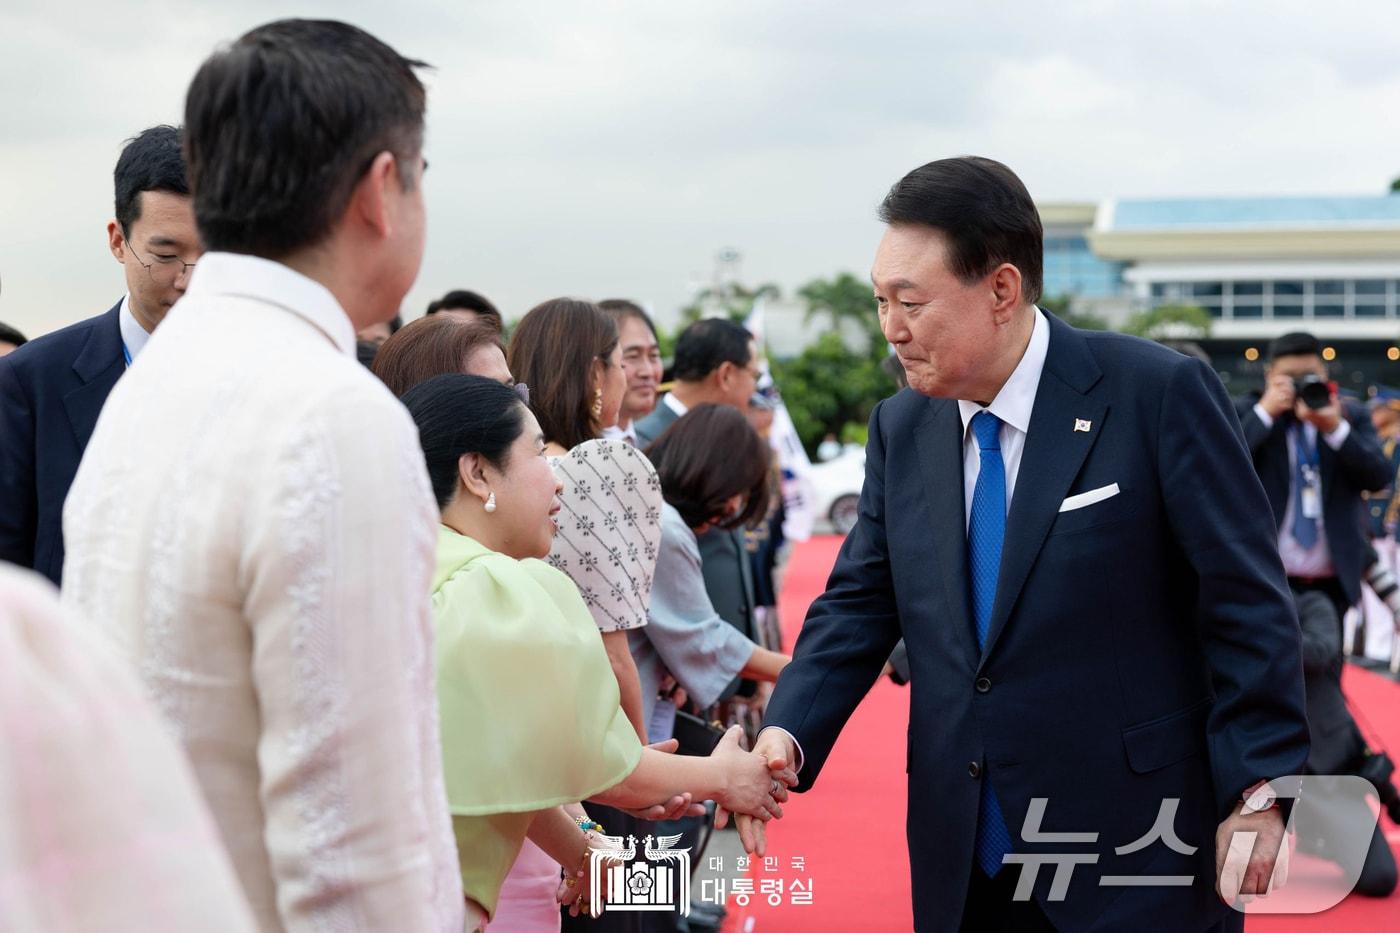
(529, 706)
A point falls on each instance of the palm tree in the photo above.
(846, 298)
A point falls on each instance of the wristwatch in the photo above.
(1259, 798)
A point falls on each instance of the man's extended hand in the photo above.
(777, 749)
(1251, 854)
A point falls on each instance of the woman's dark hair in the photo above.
(458, 415)
(708, 456)
(983, 210)
(429, 347)
(150, 161)
(552, 351)
(282, 124)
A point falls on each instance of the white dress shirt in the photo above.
(252, 526)
(134, 336)
(1299, 561)
(627, 434)
(675, 404)
(1013, 405)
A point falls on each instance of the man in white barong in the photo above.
(252, 523)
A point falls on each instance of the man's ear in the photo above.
(723, 374)
(116, 241)
(372, 196)
(471, 468)
(1005, 282)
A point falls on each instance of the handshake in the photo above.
(761, 781)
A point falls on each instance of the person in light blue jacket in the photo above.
(713, 469)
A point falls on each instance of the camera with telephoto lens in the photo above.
(1376, 768)
(1315, 391)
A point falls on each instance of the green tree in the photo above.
(1395, 186)
(1062, 306)
(1166, 322)
(828, 387)
(846, 298)
(727, 299)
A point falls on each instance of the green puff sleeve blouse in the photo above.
(528, 703)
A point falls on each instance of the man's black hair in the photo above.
(704, 345)
(1298, 343)
(983, 210)
(281, 126)
(150, 161)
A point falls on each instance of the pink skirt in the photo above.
(527, 903)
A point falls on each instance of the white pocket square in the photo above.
(1089, 498)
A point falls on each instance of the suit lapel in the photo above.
(1054, 453)
(940, 443)
(99, 365)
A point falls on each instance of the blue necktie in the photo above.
(1304, 527)
(985, 532)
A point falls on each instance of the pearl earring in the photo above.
(490, 503)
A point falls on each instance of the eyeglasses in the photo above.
(163, 270)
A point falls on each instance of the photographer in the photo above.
(1315, 459)
(1338, 748)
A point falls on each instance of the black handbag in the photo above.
(695, 735)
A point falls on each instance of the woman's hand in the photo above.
(675, 808)
(749, 785)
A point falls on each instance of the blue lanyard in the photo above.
(1308, 457)
(126, 354)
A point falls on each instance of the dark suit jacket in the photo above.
(1142, 648)
(650, 428)
(51, 392)
(1357, 466)
(1336, 742)
(724, 560)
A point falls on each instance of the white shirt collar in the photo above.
(675, 404)
(1016, 399)
(628, 434)
(275, 284)
(134, 336)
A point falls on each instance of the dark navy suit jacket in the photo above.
(1357, 466)
(51, 392)
(1143, 648)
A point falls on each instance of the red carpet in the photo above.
(850, 828)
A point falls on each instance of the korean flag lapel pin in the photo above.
(1080, 424)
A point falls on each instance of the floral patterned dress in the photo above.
(609, 530)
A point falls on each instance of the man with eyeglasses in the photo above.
(53, 388)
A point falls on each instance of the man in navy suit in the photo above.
(1065, 528)
(1315, 463)
(52, 388)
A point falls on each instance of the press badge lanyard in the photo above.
(126, 355)
(1311, 493)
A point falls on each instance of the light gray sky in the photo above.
(601, 149)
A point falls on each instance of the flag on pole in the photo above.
(799, 499)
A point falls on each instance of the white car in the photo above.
(836, 485)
